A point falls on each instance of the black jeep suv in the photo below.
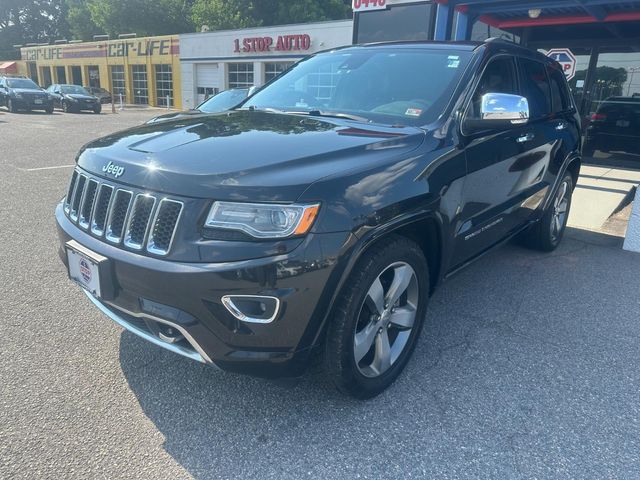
(19, 93)
(320, 214)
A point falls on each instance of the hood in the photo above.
(244, 155)
(28, 90)
(174, 115)
(79, 96)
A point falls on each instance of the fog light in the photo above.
(252, 308)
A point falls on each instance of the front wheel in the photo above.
(97, 109)
(378, 318)
(548, 232)
(11, 106)
(65, 107)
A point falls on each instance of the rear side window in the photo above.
(498, 77)
(535, 87)
(559, 94)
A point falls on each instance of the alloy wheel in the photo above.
(386, 319)
(560, 207)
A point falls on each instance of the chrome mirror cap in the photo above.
(504, 107)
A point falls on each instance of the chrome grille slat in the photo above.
(86, 205)
(78, 191)
(101, 209)
(164, 226)
(72, 186)
(138, 223)
(118, 212)
(136, 220)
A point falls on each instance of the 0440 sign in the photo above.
(363, 5)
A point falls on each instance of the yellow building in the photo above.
(144, 71)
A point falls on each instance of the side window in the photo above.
(535, 86)
(559, 94)
(498, 77)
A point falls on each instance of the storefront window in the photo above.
(401, 22)
(164, 85)
(45, 76)
(118, 82)
(61, 75)
(272, 70)
(140, 84)
(240, 75)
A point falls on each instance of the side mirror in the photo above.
(499, 111)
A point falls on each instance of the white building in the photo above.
(215, 61)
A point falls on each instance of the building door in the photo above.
(61, 75)
(140, 84)
(94, 76)
(76, 75)
(45, 77)
(33, 71)
(208, 81)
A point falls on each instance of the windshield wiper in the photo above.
(348, 116)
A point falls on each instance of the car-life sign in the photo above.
(566, 58)
(365, 5)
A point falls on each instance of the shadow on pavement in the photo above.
(527, 367)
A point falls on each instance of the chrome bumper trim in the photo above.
(197, 355)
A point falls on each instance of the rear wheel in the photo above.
(548, 232)
(378, 318)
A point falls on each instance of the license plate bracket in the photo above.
(90, 270)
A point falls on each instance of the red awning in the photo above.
(9, 67)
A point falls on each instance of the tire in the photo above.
(547, 234)
(385, 346)
(65, 107)
(10, 105)
(97, 109)
(49, 110)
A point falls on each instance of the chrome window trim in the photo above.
(94, 228)
(227, 301)
(127, 230)
(198, 354)
(151, 248)
(107, 226)
(85, 222)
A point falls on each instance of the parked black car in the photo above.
(19, 93)
(317, 219)
(221, 102)
(102, 94)
(614, 127)
(74, 98)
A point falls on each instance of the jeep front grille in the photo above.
(139, 221)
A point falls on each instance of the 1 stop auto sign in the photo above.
(565, 58)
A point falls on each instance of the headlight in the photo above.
(18, 95)
(70, 98)
(263, 220)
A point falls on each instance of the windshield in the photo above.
(401, 86)
(21, 83)
(224, 100)
(73, 90)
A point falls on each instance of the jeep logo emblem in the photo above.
(113, 169)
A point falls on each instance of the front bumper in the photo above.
(29, 104)
(188, 297)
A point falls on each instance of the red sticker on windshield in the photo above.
(413, 112)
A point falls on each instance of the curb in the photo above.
(632, 238)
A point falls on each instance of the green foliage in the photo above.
(224, 14)
(30, 21)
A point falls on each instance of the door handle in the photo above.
(561, 126)
(527, 137)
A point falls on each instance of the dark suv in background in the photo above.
(20, 93)
(318, 216)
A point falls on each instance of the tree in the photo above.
(30, 21)
(144, 17)
(225, 14)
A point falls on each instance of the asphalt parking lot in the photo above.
(528, 366)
